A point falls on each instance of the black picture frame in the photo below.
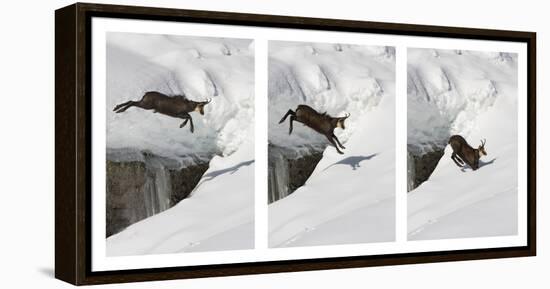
(73, 142)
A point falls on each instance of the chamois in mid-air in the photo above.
(464, 153)
(320, 122)
(176, 106)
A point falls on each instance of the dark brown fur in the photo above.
(320, 122)
(464, 153)
(176, 106)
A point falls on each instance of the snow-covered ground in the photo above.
(348, 198)
(218, 216)
(473, 94)
(219, 213)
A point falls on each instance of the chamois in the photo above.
(176, 106)
(320, 122)
(464, 153)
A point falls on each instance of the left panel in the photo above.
(179, 144)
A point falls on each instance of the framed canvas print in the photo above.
(197, 143)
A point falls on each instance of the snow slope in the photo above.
(348, 198)
(219, 213)
(473, 94)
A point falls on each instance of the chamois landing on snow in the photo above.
(177, 106)
(320, 122)
(464, 153)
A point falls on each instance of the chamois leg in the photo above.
(455, 159)
(338, 141)
(292, 118)
(191, 126)
(289, 112)
(459, 159)
(187, 118)
(127, 105)
(475, 166)
(331, 140)
(184, 123)
(121, 105)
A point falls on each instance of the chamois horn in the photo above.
(483, 142)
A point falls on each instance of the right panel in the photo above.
(462, 144)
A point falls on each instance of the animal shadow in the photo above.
(230, 170)
(481, 164)
(354, 161)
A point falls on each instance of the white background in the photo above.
(27, 125)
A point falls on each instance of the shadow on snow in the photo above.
(354, 161)
(481, 164)
(230, 170)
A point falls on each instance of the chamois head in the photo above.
(340, 122)
(200, 106)
(481, 148)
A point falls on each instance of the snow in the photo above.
(316, 74)
(473, 94)
(219, 213)
(197, 67)
(447, 91)
(348, 198)
(218, 216)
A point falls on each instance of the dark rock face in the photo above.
(289, 169)
(184, 181)
(301, 168)
(125, 197)
(141, 187)
(421, 166)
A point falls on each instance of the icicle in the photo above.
(278, 180)
(157, 187)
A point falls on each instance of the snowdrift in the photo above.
(348, 198)
(199, 68)
(332, 78)
(473, 94)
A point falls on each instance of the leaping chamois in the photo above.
(177, 106)
(320, 122)
(464, 153)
